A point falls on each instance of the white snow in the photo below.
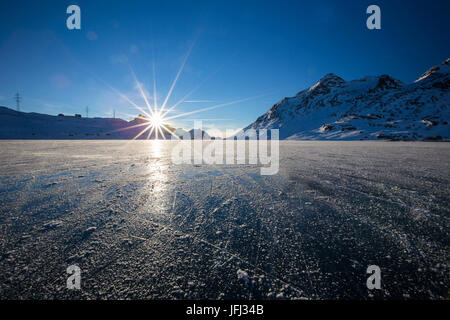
(371, 108)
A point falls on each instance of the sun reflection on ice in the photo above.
(155, 148)
(159, 193)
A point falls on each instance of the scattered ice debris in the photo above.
(184, 237)
(88, 232)
(127, 242)
(280, 295)
(51, 225)
(355, 263)
(243, 276)
(419, 214)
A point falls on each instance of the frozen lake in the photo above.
(139, 226)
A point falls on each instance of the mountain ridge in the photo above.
(371, 108)
(31, 125)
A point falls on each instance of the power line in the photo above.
(17, 98)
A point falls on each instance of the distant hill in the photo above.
(22, 125)
(199, 134)
(371, 108)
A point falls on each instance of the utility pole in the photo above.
(18, 98)
(87, 112)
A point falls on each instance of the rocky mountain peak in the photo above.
(435, 71)
(386, 82)
(331, 80)
(330, 77)
(327, 82)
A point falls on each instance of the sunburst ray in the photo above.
(212, 107)
(130, 127)
(142, 132)
(143, 95)
(176, 77)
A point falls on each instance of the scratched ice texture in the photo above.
(141, 227)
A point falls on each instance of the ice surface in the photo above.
(140, 227)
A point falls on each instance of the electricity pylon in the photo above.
(18, 98)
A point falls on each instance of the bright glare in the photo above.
(156, 120)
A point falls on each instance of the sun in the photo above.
(156, 120)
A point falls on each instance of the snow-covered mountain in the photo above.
(198, 134)
(372, 108)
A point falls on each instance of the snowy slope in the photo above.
(371, 108)
(198, 134)
(21, 125)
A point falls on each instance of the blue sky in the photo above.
(263, 50)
